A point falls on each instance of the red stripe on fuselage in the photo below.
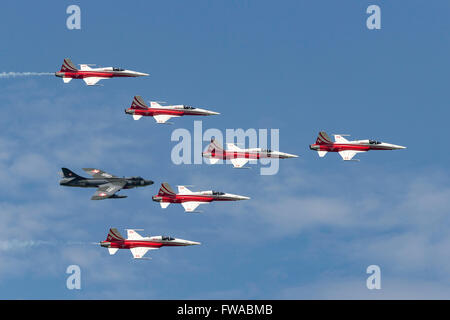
(335, 147)
(191, 198)
(88, 74)
(150, 112)
(129, 244)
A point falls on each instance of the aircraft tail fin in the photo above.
(138, 103)
(69, 173)
(214, 146)
(166, 190)
(114, 235)
(68, 66)
(323, 138)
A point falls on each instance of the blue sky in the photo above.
(298, 66)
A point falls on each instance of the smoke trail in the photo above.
(24, 74)
(9, 245)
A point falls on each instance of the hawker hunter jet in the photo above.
(138, 244)
(191, 200)
(107, 185)
(239, 157)
(163, 113)
(92, 75)
(348, 149)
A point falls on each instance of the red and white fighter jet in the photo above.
(239, 157)
(163, 113)
(191, 200)
(138, 244)
(348, 149)
(92, 75)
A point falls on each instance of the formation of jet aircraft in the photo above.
(348, 149)
(92, 75)
(239, 157)
(139, 245)
(190, 200)
(161, 113)
(107, 184)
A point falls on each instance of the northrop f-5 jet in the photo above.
(139, 245)
(107, 184)
(239, 157)
(348, 149)
(93, 75)
(190, 200)
(163, 113)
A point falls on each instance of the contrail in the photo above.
(24, 74)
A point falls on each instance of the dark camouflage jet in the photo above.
(106, 183)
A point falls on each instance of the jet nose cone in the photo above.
(213, 113)
(288, 155)
(243, 198)
(141, 74)
(194, 243)
(148, 182)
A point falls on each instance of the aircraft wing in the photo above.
(92, 81)
(107, 190)
(97, 173)
(190, 206)
(133, 235)
(162, 118)
(139, 252)
(239, 162)
(233, 147)
(183, 190)
(340, 139)
(348, 154)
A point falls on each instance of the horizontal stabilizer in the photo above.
(164, 204)
(112, 250)
(213, 160)
(322, 153)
